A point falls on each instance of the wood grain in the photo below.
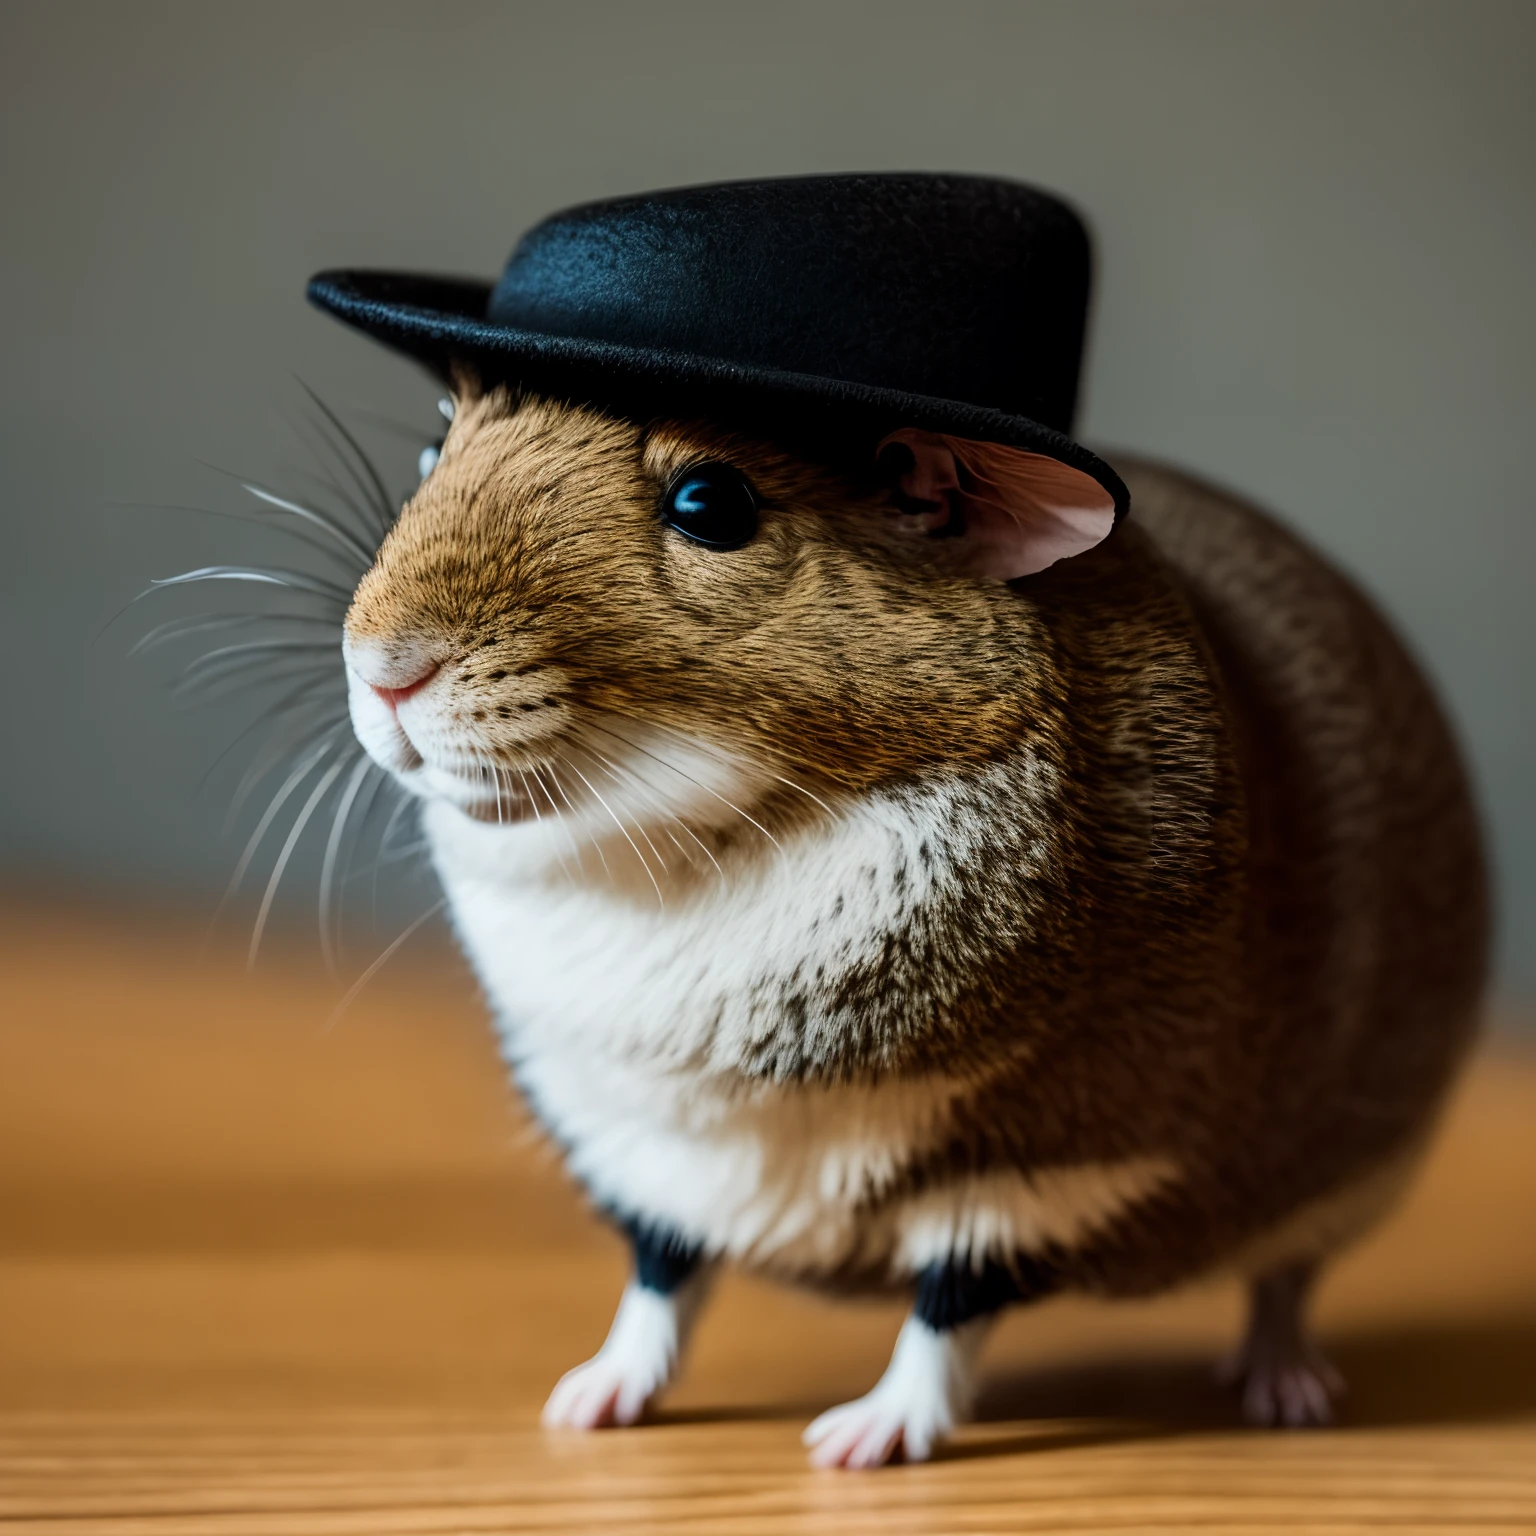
(260, 1276)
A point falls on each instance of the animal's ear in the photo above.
(1017, 511)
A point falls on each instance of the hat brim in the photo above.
(438, 320)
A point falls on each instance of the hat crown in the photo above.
(953, 287)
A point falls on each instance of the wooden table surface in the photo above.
(260, 1276)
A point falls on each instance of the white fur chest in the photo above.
(631, 1026)
(627, 1023)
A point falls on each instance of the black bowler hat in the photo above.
(953, 304)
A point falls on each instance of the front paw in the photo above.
(925, 1392)
(604, 1391)
(636, 1361)
(873, 1430)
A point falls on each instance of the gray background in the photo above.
(1315, 232)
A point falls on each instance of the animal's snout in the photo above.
(393, 696)
(393, 670)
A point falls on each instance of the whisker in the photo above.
(659, 805)
(397, 855)
(291, 704)
(373, 970)
(494, 773)
(619, 824)
(297, 738)
(304, 755)
(228, 678)
(330, 922)
(289, 785)
(395, 817)
(576, 847)
(698, 744)
(406, 431)
(348, 541)
(180, 629)
(592, 725)
(703, 847)
(721, 757)
(255, 520)
(236, 674)
(386, 511)
(539, 817)
(366, 532)
(374, 787)
(209, 661)
(322, 483)
(317, 794)
(353, 500)
(639, 826)
(296, 581)
(481, 772)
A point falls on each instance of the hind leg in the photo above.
(1283, 1378)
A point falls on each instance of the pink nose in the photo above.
(394, 696)
(396, 668)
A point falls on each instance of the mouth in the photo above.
(490, 792)
(475, 778)
(594, 775)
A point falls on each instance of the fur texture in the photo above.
(845, 911)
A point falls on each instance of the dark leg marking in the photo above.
(663, 1259)
(949, 1294)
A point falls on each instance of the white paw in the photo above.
(601, 1392)
(869, 1431)
(924, 1394)
(636, 1361)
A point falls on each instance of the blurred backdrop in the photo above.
(1315, 237)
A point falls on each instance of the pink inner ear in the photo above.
(1023, 511)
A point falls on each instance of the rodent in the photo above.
(854, 915)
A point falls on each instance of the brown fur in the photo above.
(1253, 937)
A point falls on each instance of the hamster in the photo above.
(852, 915)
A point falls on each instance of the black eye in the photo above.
(712, 504)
